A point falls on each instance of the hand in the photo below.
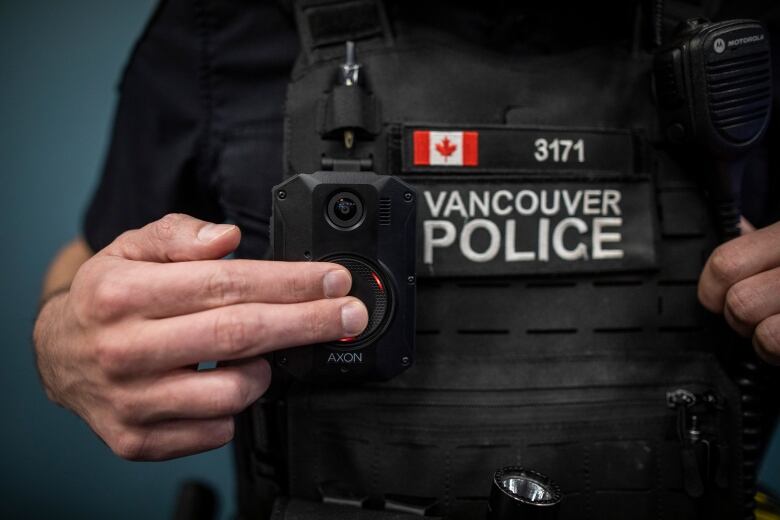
(120, 347)
(741, 279)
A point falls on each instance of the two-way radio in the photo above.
(713, 85)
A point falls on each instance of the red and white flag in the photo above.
(435, 148)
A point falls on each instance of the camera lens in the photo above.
(345, 210)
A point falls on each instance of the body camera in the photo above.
(365, 222)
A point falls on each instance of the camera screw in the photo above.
(408, 196)
(405, 360)
(282, 194)
(410, 279)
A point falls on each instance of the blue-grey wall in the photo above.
(59, 61)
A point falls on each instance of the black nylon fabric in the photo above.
(296, 509)
(334, 22)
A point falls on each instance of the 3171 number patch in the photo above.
(559, 150)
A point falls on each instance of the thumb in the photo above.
(745, 226)
(176, 238)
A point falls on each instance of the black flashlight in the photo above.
(523, 494)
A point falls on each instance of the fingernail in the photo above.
(211, 232)
(336, 283)
(353, 318)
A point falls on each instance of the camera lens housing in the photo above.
(345, 210)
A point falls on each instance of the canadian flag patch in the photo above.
(436, 148)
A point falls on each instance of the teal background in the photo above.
(59, 63)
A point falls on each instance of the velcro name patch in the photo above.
(515, 228)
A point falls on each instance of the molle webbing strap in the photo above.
(324, 26)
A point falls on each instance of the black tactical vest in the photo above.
(560, 245)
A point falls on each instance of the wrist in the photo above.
(45, 331)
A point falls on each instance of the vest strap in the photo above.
(324, 26)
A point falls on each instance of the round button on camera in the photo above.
(371, 287)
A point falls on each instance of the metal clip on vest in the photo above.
(704, 456)
(349, 112)
(350, 73)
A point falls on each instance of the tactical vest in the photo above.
(560, 245)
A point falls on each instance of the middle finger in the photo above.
(237, 332)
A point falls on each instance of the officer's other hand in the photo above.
(742, 280)
(120, 348)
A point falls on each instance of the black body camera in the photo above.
(367, 223)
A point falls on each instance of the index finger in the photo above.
(164, 290)
(736, 260)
